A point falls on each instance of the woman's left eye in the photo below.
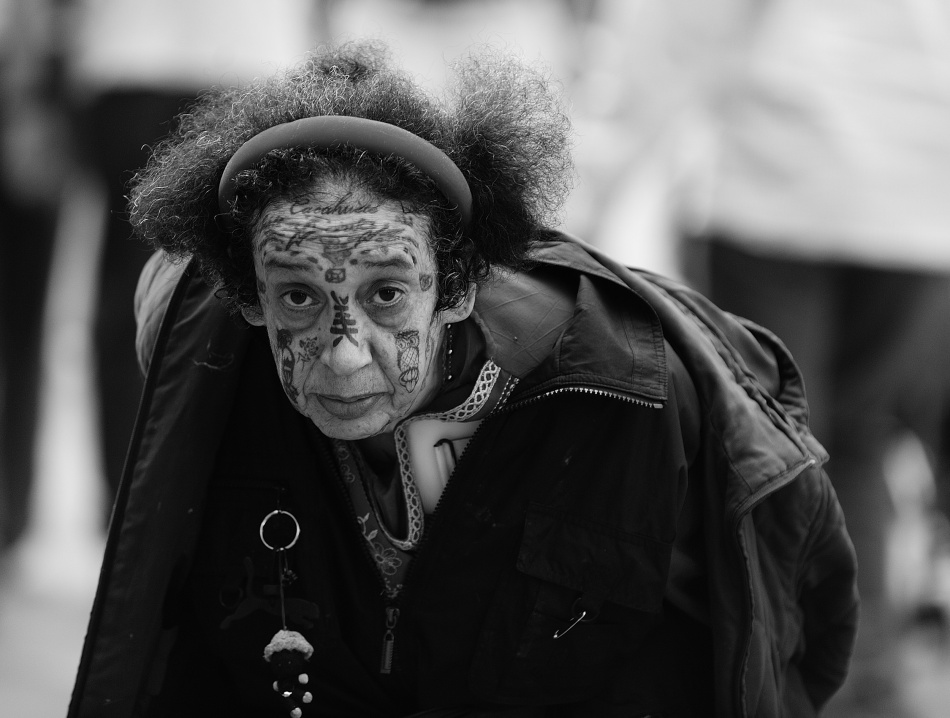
(387, 295)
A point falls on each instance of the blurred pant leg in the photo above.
(117, 130)
(26, 242)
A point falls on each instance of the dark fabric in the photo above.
(481, 559)
(569, 499)
(778, 507)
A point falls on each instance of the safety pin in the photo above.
(559, 633)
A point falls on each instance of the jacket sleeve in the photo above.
(156, 284)
(829, 600)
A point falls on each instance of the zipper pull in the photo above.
(389, 640)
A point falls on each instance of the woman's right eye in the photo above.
(297, 298)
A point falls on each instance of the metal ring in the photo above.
(273, 513)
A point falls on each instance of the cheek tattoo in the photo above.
(287, 363)
(287, 359)
(309, 348)
(407, 358)
(425, 282)
(343, 323)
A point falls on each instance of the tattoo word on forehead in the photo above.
(347, 204)
(343, 323)
(407, 357)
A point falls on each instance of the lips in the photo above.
(348, 407)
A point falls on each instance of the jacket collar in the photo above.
(748, 385)
(582, 329)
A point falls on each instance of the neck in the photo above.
(379, 452)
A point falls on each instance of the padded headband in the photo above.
(334, 130)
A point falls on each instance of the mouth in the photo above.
(348, 407)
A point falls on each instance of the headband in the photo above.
(334, 130)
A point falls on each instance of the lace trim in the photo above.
(466, 410)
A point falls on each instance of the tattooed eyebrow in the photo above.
(398, 262)
(272, 262)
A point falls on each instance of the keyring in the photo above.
(270, 516)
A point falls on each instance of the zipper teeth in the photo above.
(581, 390)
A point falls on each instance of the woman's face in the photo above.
(347, 289)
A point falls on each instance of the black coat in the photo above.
(569, 498)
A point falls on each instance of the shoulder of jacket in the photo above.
(156, 285)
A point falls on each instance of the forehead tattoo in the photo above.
(340, 240)
(347, 204)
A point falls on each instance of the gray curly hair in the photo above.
(502, 125)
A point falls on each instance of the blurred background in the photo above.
(790, 158)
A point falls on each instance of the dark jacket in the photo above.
(656, 430)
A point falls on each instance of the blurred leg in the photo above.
(119, 129)
(25, 253)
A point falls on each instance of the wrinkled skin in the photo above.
(346, 288)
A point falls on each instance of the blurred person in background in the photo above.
(34, 151)
(428, 35)
(827, 219)
(133, 65)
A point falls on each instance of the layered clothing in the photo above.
(637, 522)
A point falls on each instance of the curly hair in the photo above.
(501, 124)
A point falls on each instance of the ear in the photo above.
(457, 314)
(253, 315)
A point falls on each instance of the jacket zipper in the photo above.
(510, 407)
(389, 640)
(582, 390)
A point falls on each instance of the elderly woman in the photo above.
(413, 453)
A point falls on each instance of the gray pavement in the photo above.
(42, 624)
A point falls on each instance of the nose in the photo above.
(349, 349)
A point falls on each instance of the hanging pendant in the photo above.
(288, 651)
